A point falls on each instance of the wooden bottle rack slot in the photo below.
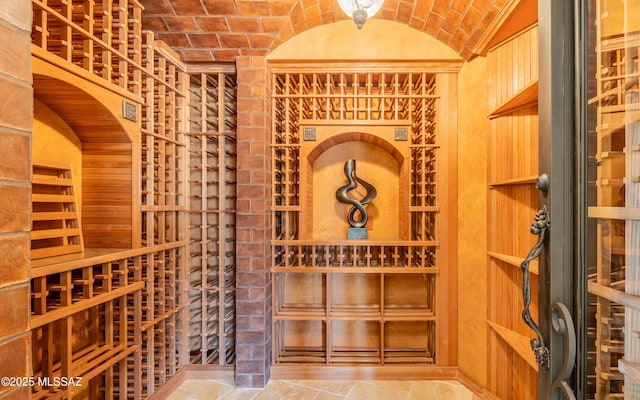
(212, 159)
(68, 295)
(351, 255)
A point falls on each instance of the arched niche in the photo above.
(107, 149)
(378, 161)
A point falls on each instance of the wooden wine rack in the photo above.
(340, 302)
(100, 37)
(163, 206)
(212, 166)
(125, 319)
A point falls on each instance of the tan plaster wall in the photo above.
(473, 131)
(54, 140)
(377, 40)
(374, 165)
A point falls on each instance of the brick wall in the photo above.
(253, 225)
(16, 119)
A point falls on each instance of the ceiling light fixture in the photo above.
(360, 10)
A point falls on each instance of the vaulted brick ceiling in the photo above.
(220, 30)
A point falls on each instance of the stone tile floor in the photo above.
(221, 389)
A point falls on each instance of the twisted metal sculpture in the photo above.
(341, 195)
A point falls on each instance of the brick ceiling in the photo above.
(220, 30)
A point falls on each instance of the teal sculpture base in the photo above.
(356, 233)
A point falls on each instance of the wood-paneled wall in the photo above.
(106, 192)
(512, 204)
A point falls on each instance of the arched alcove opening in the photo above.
(75, 126)
(377, 162)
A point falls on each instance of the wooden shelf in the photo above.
(303, 355)
(619, 213)
(86, 363)
(524, 98)
(616, 296)
(525, 180)
(519, 343)
(514, 261)
(81, 305)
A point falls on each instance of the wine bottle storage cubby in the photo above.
(366, 302)
(345, 303)
(320, 319)
(287, 188)
(161, 359)
(162, 318)
(205, 324)
(359, 96)
(83, 321)
(408, 342)
(212, 201)
(164, 146)
(300, 341)
(212, 103)
(310, 299)
(354, 341)
(409, 295)
(102, 37)
(401, 256)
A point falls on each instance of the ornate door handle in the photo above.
(539, 228)
(561, 320)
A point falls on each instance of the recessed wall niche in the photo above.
(75, 123)
(376, 165)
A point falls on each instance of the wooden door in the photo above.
(557, 289)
